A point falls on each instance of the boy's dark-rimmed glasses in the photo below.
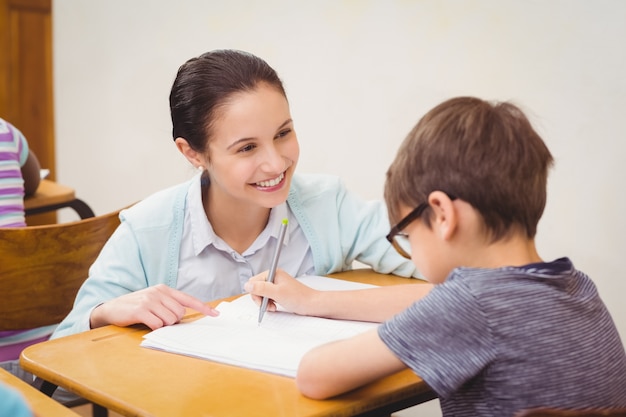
(399, 240)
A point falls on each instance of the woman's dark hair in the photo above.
(204, 84)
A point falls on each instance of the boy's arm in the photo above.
(342, 366)
(373, 304)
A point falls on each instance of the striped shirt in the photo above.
(491, 342)
(13, 155)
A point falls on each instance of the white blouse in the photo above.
(210, 269)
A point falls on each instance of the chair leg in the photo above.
(48, 388)
(99, 411)
(44, 386)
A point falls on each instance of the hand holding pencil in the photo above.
(274, 265)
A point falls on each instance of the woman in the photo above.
(204, 239)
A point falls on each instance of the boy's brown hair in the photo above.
(486, 154)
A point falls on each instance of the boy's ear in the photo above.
(446, 217)
(194, 157)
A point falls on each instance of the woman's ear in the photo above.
(194, 157)
(446, 217)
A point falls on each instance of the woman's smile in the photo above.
(272, 184)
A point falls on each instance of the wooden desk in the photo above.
(51, 196)
(107, 366)
(39, 403)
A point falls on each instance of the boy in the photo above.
(502, 330)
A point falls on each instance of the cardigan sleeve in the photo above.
(343, 228)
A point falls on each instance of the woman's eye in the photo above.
(247, 148)
(283, 133)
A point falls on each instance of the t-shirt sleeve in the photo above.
(22, 146)
(444, 338)
(18, 141)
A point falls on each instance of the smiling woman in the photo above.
(204, 239)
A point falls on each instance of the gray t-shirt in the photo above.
(491, 342)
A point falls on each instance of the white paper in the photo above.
(276, 346)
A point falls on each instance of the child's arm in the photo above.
(31, 174)
(341, 366)
(374, 304)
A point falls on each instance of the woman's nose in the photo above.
(274, 161)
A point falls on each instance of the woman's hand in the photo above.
(155, 307)
(287, 291)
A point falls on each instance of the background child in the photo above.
(12, 403)
(502, 330)
(19, 175)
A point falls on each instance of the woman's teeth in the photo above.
(271, 183)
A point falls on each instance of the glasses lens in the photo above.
(402, 245)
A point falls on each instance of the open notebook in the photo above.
(276, 346)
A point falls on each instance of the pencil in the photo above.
(273, 266)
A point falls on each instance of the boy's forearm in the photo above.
(342, 366)
(374, 305)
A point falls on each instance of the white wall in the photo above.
(359, 74)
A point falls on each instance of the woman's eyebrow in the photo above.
(235, 143)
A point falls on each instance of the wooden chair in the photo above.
(42, 268)
(553, 412)
(52, 196)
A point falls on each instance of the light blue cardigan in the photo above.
(144, 250)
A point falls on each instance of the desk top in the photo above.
(107, 366)
(49, 193)
(39, 403)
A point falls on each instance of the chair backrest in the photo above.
(42, 268)
(552, 412)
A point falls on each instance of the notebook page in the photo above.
(235, 338)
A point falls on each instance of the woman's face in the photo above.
(254, 149)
